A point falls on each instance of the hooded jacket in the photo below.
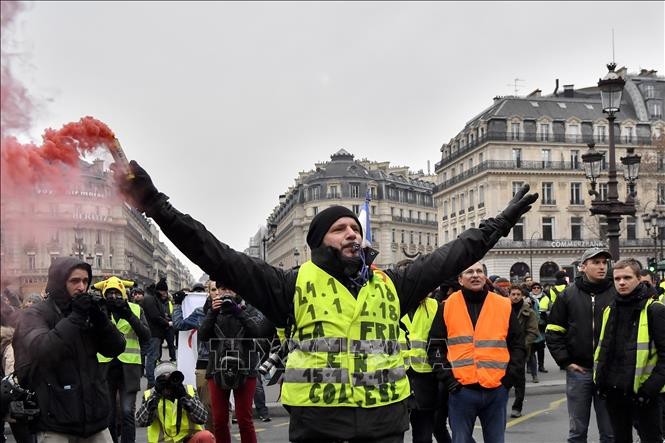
(57, 358)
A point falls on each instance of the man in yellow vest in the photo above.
(123, 373)
(484, 355)
(630, 357)
(172, 411)
(424, 385)
(344, 378)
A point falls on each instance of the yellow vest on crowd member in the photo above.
(345, 350)
(132, 353)
(548, 299)
(419, 333)
(164, 428)
(645, 361)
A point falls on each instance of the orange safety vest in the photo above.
(478, 355)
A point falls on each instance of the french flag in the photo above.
(363, 217)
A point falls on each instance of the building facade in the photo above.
(402, 213)
(540, 140)
(87, 221)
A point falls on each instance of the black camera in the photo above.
(173, 381)
(19, 402)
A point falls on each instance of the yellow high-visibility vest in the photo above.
(419, 333)
(164, 427)
(132, 353)
(345, 350)
(645, 355)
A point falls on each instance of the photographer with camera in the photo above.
(229, 326)
(56, 344)
(172, 411)
(123, 373)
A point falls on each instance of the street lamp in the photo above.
(79, 247)
(268, 236)
(531, 253)
(654, 224)
(611, 88)
(296, 255)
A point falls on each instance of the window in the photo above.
(470, 163)
(445, 236)
(576, 228)
(32, 264)
(316, 193)
(481, 158)
(649, 91)
(355, 209)
(461, 202)
(445, 209)
(515, 131)
(418, 215)
(391, 193)
(546, 155)
(603, 189)
(429, 242)
(373, 209)
(98, 261)
(99, 237)
(315, 210)
(661, 193)
(471, 200)
(333, 191)
(402, 236)
(400, 195)
(516, 187)
(420, 238)
(410, 237)
(574, 159)
(481, 196)
(576, 194)
(574, 132)
(518, 230)
(453, 206)
(548, 194)
(454, 232)
(355, 191)
(544, 132)
(631, 228)
(627, 134)
(410, 215)
(517, 157)
(393, 237)
(372, 192)
(548, 228)
(656, 110)
(601, 133)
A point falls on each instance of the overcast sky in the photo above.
(224, 103)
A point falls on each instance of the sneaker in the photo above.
(535, 379)
(543, 370)
(515, 413)
(265, 419)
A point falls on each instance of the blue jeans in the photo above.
(153, 354)
(580, 391)
(487, 404)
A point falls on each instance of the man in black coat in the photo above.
(56, 345)
(334, 237)
(159, 324)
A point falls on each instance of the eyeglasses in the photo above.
(470, 272)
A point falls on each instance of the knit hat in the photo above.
(114, 283)
(165, 368)
(322, 222)
(161, 285)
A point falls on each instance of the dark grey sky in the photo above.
(224, 103)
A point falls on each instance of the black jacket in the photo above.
(271, 290)
(438, 350)
(230, 334)
(574, 323)
(156, 315)
(57, 359)
(616, 361)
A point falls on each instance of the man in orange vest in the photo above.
(484, 353)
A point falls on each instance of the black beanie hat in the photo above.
(161, 285)
(324, 220)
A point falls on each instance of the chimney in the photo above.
(556, 88)
(569, 91)
(535, 93)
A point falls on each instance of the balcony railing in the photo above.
(414, 221)
(538, 137)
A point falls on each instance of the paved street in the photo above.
(545, 416)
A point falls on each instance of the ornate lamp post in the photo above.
(269, 235)
(611, 88)
(531, 253)
(654, 224)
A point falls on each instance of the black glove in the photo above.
(138, 190)
(123, 310)
(81, 304)
(641, 399)
(229, 306)
(518, 206)
(98, 317)
(178, 297)
(453, 385)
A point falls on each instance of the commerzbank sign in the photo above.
(578, 244)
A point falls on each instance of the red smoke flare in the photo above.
(24, 165)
